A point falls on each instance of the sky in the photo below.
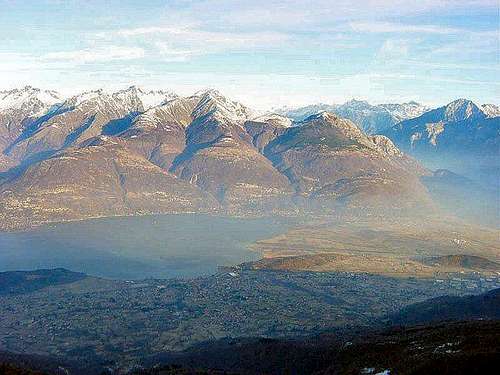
(264, 53)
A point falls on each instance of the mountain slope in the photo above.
(99, 178)
(82, 117)
(21, 108)
(219, 156)
(458, 136)
(99, 154)
(483, 306)
(329, 158)
(159, 133)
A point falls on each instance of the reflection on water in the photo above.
(138, 247)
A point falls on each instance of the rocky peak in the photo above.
(460, 110)
(274, 119)
(84, 97)
(405, 111)
(30, 99)
(330, 120)
(385, 146)
(357, 103)
(490, 110)
(213, 103)
(136, 96)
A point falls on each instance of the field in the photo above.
(396, 248)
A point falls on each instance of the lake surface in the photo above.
(162, 246)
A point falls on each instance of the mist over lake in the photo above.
(160, 246)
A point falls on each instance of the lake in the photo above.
(161, 246)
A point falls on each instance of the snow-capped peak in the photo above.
(28, 98)
(78, 99)
(214, 103)
(148, 98)
(405, 111)
(490, 110)
(275, 119)
(461, 109)
(321, 115)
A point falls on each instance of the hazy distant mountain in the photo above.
(99, 154)
(405, 111)
(301, 113)
(457, 136)
(491, 110)
(370, 118)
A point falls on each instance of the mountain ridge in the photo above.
(100, 154)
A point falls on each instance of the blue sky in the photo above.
(266, 53)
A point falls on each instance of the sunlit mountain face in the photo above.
(265, 187)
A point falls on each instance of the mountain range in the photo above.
(139, 152)
(372, 119)
(460, 136)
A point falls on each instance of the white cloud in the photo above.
(101, 54)
(388, 27)
(394, 49)
(183, 42)
(306, 15)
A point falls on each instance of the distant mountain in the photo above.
(491, 110)
(457, 136)
(301, 113)
(372, 119)
(220, 158)
(463, 196)
(100, 177)
(99, 154)
(405, 111)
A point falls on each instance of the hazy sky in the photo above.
(263, 52)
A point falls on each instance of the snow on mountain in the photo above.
(213, 103)
(28, 98)
(405, 111)
(274, 119)
(370, 118)
(85, 96)
(491, 110)
(301, 113)
(148, 99)
(462, 109)
(457, 135)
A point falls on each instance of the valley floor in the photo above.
(120, 324)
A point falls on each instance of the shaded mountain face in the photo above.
(483, 306)
(99, 178)
(99, 154)
(372, 119)
(220, 158)
(459, 136)
(82, 117)
(159, 133)
(21, 109)
(327, 158)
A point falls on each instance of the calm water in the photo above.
(138, 247)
